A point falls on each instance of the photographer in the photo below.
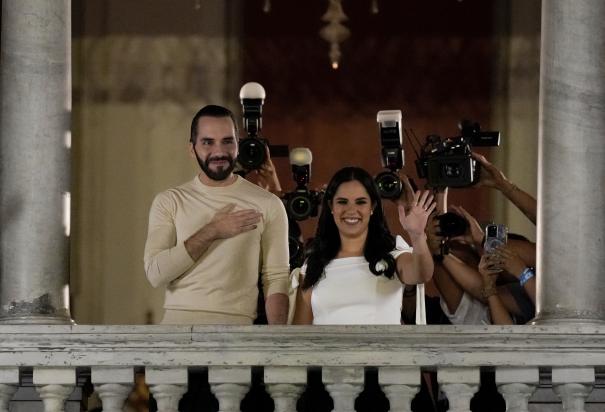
(514, 261)
(458, 284)
(490, 269)
(492, 177)
(266, 176)
(522, 269)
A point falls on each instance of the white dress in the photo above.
(349, 294)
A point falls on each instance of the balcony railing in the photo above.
(572, 355)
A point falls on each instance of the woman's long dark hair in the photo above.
(326, 243)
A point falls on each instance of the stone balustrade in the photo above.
(571, 355)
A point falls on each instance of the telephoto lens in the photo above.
(452, 224)
(389, 185)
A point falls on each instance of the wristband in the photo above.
(526, 275)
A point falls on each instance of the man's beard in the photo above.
(222, 173)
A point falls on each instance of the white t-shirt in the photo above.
(469, 312)
(349, 294)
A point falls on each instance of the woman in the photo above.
(356, 270)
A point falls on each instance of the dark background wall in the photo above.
(432, 59)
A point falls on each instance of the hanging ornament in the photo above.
(334, 32)
(267, 6)
(374, 7)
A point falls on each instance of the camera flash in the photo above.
(300, 156)
(252, 90)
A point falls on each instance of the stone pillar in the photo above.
(34, 154)
(113, 386)
(571, 200)
(517, 385)
(285, 385)
(54, 385)
(573, 385)
(9, 383)
(343, 384)
(229, 385)
(168, 385)
(400, 385)
(459, 385)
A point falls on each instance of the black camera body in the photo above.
(448, 162)
(388, 182)
(252, 149)
(452, 225)
(302, 203)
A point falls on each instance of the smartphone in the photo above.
(495, 236)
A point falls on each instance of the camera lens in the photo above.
(300, 206)
(452, 224)
(251, 153)
(389, 185)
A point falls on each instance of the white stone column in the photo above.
(459, 385)
(573, 385)
(400, 385)
(34, 154)
(9, 383)
(344, 385)
(517, 385)
(168, 385)
(571, 199)
(54, 386)
(113, 386)
(229, 385)
(285, 385)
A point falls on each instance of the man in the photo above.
(209, 238)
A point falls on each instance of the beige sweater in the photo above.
(224, 279)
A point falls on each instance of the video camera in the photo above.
(302, 202)
(448, 162)
(388, 182)
(252, 148)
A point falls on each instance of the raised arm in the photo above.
(489, 272)
(416, 267)
(493, 177)
(267, 176)
(450, 291)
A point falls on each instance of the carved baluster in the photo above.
(168, 385)
(344, 385)
(113, 386)
(459, 384)
(54, 386)
(400, 385)
(229, 385)
(6, 394)
(517, 385)
(285, 385)
(573, 385)
(9, 383)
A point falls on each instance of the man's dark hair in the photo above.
(211, 110)
(326, 243)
